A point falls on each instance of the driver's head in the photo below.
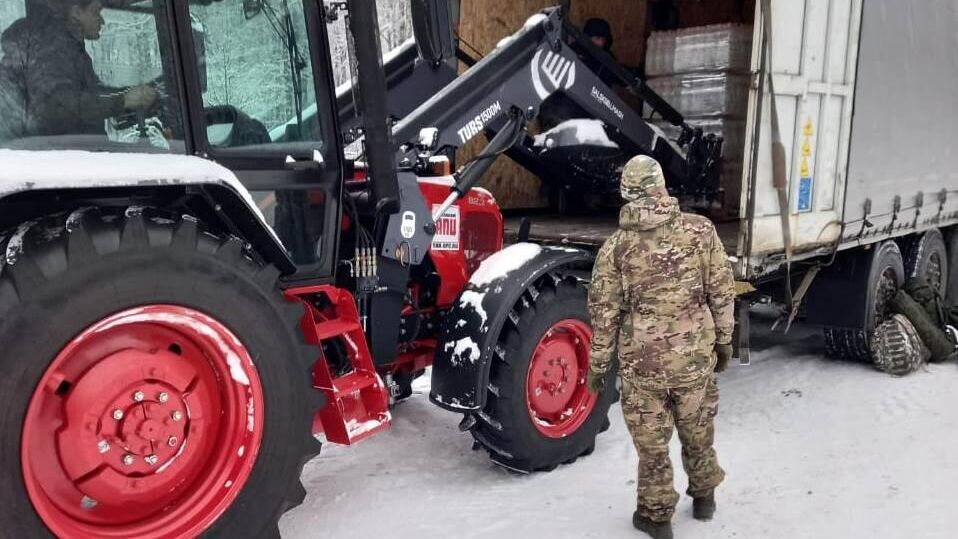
(83, 15)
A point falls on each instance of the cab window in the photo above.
(77, 75)
(259, 89)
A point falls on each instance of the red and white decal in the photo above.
(447, 230)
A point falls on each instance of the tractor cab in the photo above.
(246, 84)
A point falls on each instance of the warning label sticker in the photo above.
(805, 194)
(447, 230)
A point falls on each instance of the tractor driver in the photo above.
(48, 77)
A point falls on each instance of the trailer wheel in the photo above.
(154, 384)
(886, 275)
(539, 413)
(951, 283)
(927, 257)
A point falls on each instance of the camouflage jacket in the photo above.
(663, 294)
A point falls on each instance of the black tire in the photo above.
(927, 257)
(951, 286)
(505, 427)
(73, 271)
(885, 276)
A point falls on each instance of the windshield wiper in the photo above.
(297, 62)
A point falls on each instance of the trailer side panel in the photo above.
(905, 127)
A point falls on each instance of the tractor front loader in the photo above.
(194, 294)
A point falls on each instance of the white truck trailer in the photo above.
(860, 93)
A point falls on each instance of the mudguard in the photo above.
(60, 170)
(460, 372)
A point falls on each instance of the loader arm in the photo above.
(517, 77)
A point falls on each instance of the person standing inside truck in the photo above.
(46, 71)
(599, 33)
(662, 301)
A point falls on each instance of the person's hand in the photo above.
(723, 353)
(595, 381)
(139, 98)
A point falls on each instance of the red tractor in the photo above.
(194, 286)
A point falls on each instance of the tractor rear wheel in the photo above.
(154, 383)
(539, 412)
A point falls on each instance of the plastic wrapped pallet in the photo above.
(707, 94)
(718, 47)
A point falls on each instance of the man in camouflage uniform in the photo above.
(662, 295)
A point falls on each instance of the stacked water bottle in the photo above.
(704, 73)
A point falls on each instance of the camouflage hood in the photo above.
(648, 213)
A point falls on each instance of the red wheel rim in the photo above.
(556, 395)
(147, 424)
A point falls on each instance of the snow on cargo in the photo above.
(582, 131)
(501, 264)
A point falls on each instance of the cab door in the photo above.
(260, 103)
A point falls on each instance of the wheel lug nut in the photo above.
(177, 415)
(163, 397)
(128, 459)
(117, 414)
(151, 459)
(172, 441)
(103, 446)
(138, 396)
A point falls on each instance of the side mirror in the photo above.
(220, 122)
(252, 8)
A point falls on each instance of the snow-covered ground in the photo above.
(812, 448)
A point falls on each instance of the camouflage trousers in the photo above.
(650, 415)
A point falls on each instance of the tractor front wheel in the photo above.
(154, 384)
(539, 412)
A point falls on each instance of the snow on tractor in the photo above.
(194, 286)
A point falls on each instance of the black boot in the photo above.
(656, 530)
(703, 507)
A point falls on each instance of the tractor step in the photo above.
(358, 401)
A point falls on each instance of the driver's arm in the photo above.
(62, 100)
